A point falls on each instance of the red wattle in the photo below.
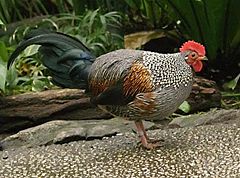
(197, 66)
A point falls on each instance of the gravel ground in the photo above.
(206, 151)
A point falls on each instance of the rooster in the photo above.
(134, 84)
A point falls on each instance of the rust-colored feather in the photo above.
(138, 80)
(144, 104)
(98, 86)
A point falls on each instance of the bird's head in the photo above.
(194, 54)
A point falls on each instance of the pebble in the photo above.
(4, 155)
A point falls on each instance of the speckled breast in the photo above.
(155, 106)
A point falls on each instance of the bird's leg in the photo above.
(143, 135)
(146, 142)
(141, 126)
(150, 140)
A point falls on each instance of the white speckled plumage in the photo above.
(171, 77)
(167, 69)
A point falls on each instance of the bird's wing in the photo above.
(117, 77)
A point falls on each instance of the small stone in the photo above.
(5, 155)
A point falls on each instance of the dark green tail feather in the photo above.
(67, 58)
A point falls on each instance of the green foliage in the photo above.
(3, 65)
(232, 84)
(1, 22)
(149, 9)
(214, 23)
(79, 7)
(29, 75)
(147, 14)
(231, 100)
(185, 107)
(98, 31)
(14, 10)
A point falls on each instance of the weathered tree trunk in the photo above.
(205, 95)
(25, 110)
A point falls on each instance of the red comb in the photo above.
(193, 46)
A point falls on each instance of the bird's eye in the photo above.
(193, 55)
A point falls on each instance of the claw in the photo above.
(152, 144)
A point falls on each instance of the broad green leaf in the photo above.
(3, 74)
(12, 77)
(103, 21)
(1, 22)
(185, 107)
(232, 84)
(37, 85)
(3, 51)
(3, 65)
(5, 12)
(232, 25)
(91, 20)
(31, 50)
(215, 24)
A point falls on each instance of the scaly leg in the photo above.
(140, 124)
(143, 135)
(146, 142)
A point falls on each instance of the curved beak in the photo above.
(203, 58)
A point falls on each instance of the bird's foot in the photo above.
(158, 141)
(152, 144)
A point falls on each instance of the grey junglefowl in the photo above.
(134, 84)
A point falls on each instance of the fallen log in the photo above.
(25, 110)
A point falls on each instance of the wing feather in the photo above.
(117, 77)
